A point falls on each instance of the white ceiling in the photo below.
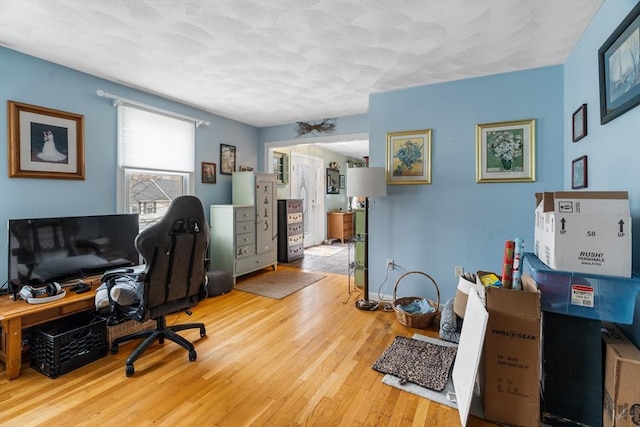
(270, 62)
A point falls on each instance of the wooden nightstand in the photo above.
(340, 225)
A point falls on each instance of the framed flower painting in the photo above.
(409, 157)
(505, 152)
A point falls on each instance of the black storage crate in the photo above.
(64, 345)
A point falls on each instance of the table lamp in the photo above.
(366, 182)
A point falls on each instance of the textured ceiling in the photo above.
(269, 62)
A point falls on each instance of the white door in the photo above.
(307, 183)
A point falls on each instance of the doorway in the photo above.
(307, 183)
(315, 217)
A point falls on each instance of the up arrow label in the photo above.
(562, 221)
(621, 223)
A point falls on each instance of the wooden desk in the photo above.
(17, 315)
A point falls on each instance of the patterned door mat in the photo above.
(419, 362)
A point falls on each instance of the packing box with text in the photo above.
(511, 378)
(584, 231)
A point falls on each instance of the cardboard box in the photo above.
(621, 406)
(584, 231)
(511, 379)
(462, 295)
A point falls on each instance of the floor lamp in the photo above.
(366, 182)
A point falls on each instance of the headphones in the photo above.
(53, 291)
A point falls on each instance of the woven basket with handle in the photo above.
(415, 320)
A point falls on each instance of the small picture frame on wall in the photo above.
(579, 173)
(208, 173)
(579, 123)
(341, 181)
(227, 159)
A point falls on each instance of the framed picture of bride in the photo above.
(45, 143)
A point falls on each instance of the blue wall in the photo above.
(613, 149)
(33, 81)
(454, 220)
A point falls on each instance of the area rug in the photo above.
(277, 284)
(324, 250)
(446, 396)
(424, 363)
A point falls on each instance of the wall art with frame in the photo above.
(45, 143)
(619, 67)
(579, 173)
(505, 151)
(227, 159)
(579, 123)
(409, 157)
(333, 181)
(208, 173)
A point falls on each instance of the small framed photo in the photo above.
(409, 157)
(579, 173)
(505, 152)
(341, 181)
(45, 143)
(618, 61)
(227, 159)
(208, 173)
(245, 169)
(579, 123)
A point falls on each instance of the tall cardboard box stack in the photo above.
(621, 405)
(511, 377)
(584, 231)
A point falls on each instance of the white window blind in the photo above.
(156, 141)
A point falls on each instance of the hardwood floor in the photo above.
(304, 360)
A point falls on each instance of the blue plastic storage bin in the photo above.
(607, 298)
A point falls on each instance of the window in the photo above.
(156, 160)
(281, 167)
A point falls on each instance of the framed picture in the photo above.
(341, 181)
(409, 157)
(579, 123)
(505, 152)
(245, 169)
(618, 61)
(227, 159)
(579, 173)
(333, 181)
(45, 143)
(208, 173)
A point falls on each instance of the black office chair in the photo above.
(174, 277)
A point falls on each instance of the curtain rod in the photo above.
(118, 99)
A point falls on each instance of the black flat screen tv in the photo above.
(44, 250)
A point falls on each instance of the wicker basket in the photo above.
(415, 320)
(128, 327)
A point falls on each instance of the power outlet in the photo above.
(459, 271)
(390, 264)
